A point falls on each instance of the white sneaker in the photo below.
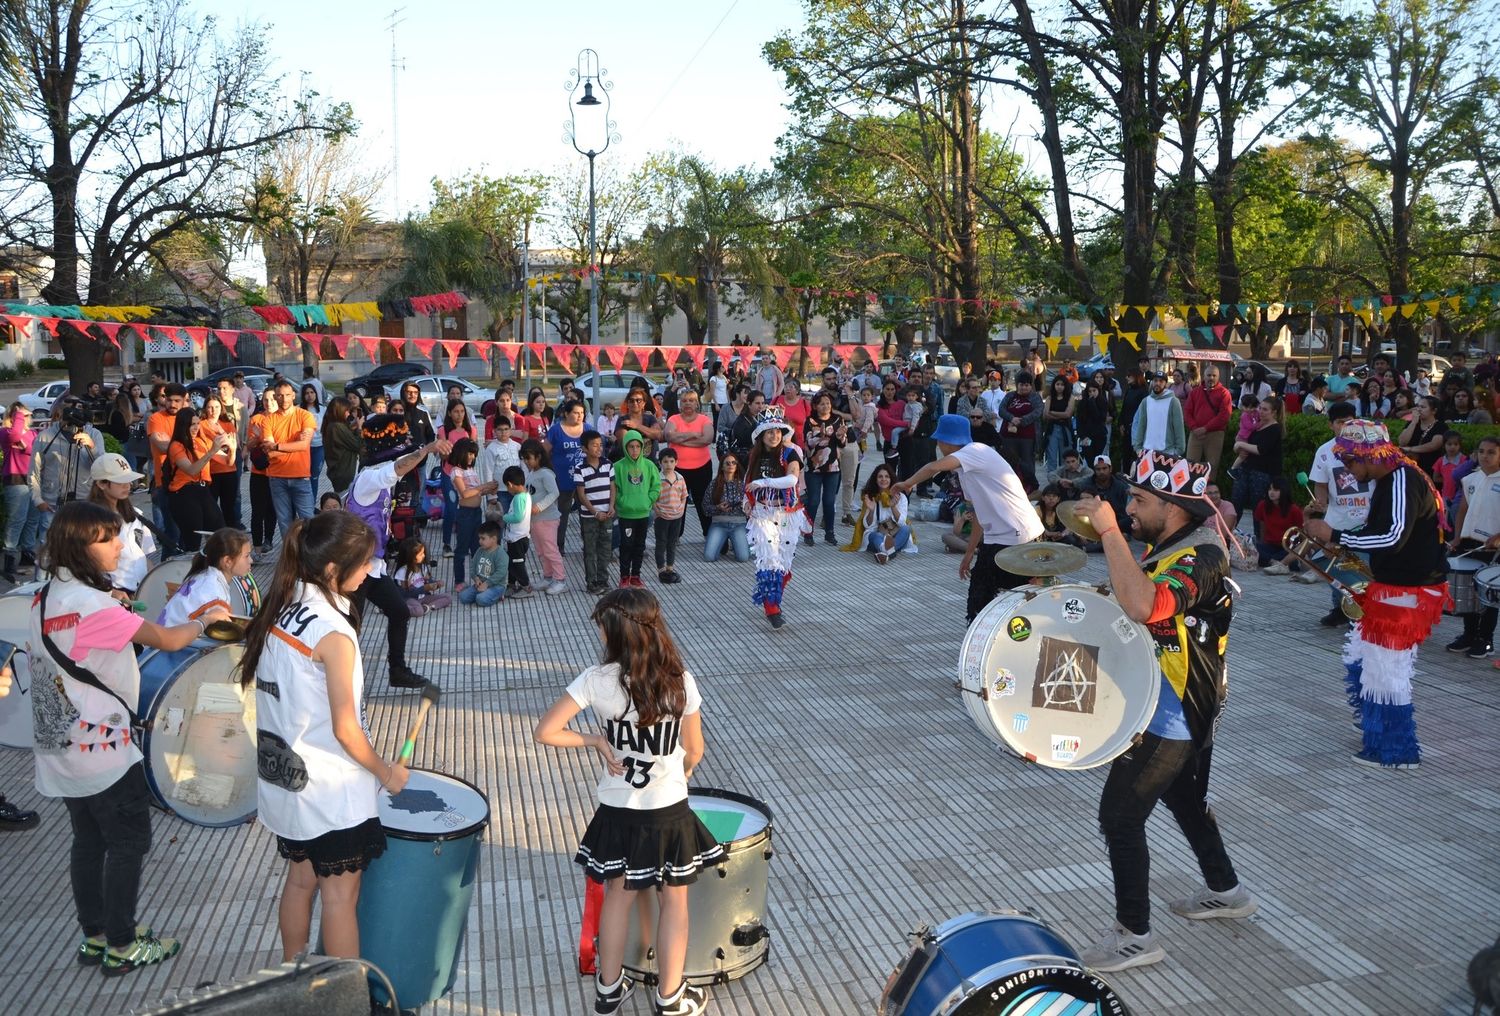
(1121, 949)
(1207, 904)
(557, 586)
(1277, 568)
(1307, 578)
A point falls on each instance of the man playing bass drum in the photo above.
(1181, 591)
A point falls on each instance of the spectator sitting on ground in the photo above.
(1070, 476)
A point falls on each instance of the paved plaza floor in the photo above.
(891, 809)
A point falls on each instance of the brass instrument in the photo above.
(1306, 548)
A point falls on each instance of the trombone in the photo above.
(1306, 549)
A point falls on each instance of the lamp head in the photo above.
(588, 95)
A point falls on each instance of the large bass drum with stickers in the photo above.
(1059, 675)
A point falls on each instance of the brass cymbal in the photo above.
(1077, 523)
(1041, 559)
(231, 629)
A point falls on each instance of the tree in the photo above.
(617, 207)
(135, 123)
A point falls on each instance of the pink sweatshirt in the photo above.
(17, 461)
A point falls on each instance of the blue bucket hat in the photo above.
(953, 429)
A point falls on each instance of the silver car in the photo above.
(613, 386)
(434, 391)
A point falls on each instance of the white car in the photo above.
(434, 390)
(40, 401)
(613, 386)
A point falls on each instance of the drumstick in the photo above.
(429, 696)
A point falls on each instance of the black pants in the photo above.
(987, 579)
(111, 834)
(632, 546)
(668, 532)
(517, 549)
(1020, 452)
(262, 510)
(226, 491)
(698, 481)
(566, 499)
(194, 509)
(385, 595)
(1175, 773)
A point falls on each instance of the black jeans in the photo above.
(194, 510)
(987, 579)
(698, 481)
(111, 834)
(262, 511)
(516, 549)
(566, 501)
(385, 595)
(1175, 773)
(226, 490)
(632, 546)
(668, 532)
(1020, 452)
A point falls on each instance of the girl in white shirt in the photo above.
(320, 778)
(223, 559)
(112, 478)
(643, 835)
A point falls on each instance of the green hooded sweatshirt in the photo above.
(637, 481)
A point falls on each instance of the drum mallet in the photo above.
(430, 696)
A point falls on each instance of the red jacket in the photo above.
(1208, 408)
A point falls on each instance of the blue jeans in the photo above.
(488, 598)
(467, 521)
(732, 533)
(1059, 440)
(822, 489)
(161, 514)
(875, 541)
(314, 481)
(22, 520)
(292, 499)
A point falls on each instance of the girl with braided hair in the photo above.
(643, 835)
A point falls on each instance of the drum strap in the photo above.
(76, 672)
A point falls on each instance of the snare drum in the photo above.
(15, 628)
(199, 734)
(414, 899)
(726, 905)
(163, 581)
(1059, 675)
(995, 964)
(1487, 586)
(1461, 586)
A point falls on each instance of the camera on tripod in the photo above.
(74, 418)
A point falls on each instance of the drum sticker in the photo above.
(1019, 722)
(1019, 629)
(1065, 747)
(1073, 610)
(427, 802)
(1067, 676)
(1003, 685)
(277, 763)
(1124, 628)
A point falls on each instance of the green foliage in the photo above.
(25, 368)
(52, 363)
(8, 374)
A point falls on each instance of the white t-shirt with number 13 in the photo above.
(652, 756)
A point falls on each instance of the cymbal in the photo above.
(230, 629)
(1077, 523)
(1041, 559)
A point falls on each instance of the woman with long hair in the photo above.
(882, 526)
(776, 515)
(320, 777)
(223, 475)
(456, 427)
(224, 559)
(262, 509)
(1372, 403)
(823, 435)
(186, 470)
(113, 479)
(1095, 417)
(311, 399)
(890, 417)
(726, 511)
(1263, 451)
(1057, 418)
(341, 443)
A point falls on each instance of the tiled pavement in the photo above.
(891, 810)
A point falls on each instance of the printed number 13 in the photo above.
(637, 772)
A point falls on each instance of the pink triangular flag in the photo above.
(483, 350)
(511, 351)
(372, 346)
(695, 353)
(423, 347)
(846, 352)
(814, 357)
(229, 337)
(1219, 333)
(453, 349)
(50, 323)
(260, 336)
(872, 351)
(783, 355)
(642, 356)
(340, 343)
(20, 322)
(591, 354)
(111, 330)
(746, 354)
(538, 352)
(615, 355)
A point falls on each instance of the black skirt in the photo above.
(339, 851)
(666, 846)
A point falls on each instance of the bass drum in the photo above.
(166, 578)
(1059, 675)
(199, 734)
(15, 628)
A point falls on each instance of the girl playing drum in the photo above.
(644, 835)
(319, 776)
(225, 558)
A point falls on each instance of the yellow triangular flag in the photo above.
(1101, 339)
(1130, 337)
(1159, 335)
(1432, 306)
(1075, 341)
(1386, 313)
(1203, 309)
(1052, 341)
(1139, 310)
(1365, 314)
(1453, 303)
(1406, 309)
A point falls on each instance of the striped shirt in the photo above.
(593, 483)
(673, 501)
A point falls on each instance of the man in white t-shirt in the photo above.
(1478, 528)
(1005, 515)
(1341, 496)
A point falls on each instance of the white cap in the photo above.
(1102, 458)
(113, 468)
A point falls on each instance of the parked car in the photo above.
(434, 392)
(612, 386)
(40, 401)
(198, 390)
(228, 373)
(385, 374)
(1240, 364)
(1099, 361)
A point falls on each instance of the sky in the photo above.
(482, 87)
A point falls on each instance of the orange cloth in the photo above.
(284, 428)
(692, 456)
(181, 477)
(159, 424)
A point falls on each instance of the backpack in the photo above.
(432, 494)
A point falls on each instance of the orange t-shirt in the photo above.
(253, 432)
(159, 424)
(181, 477)
(284, 428)
(224, 461)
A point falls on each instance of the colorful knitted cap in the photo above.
(386, 437)
(1175, 479)
(770, 418)
(1367, 441)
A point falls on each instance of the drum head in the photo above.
(729, 816)
(1059, 675)
(160, 583)
(434, 806)
(1044, 991)
(15, 613)
(1466, 565)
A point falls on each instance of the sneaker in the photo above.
(407, 678)
(606, 1002)
(670, 577)
(830, 539)
(1480, 650)
(1276, 568)
(690, 1001)
(1120, 949)
(1458, 645)
(807, 540)
(91, 949)
(1371, 760)
(778, 620)
(558, 586)
(13, 818)
(143, 952)
(1307, 578)
(447, 551)
(848, 520)
(523, 593)
(1207, 904)
(1333, 619)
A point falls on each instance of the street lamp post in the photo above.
(590, 142)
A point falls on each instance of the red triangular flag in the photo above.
(453, 349)
(746, 353)
(538, 352)
(423, 347)
(615, 355)
(340, 343)
(198, 335)
(372, 346)
(591, 354)
(846, 352)
(642, 356)
(872, 350)
(483, 349)
(229, 337)
(695, 353)
(511, 351)
(50, 323)
(314, 340)
(814, 357)
(259, 336)
(783, 355)
(1219, 333)
(111, 330)
(724, 353)
(20, 322)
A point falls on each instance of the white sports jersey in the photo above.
(652, 756)
(1348, 498)
(136, 545)
(308, 784)
(196, 596)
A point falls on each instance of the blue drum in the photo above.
(995, 964)
(414, 899)
(198, 733)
